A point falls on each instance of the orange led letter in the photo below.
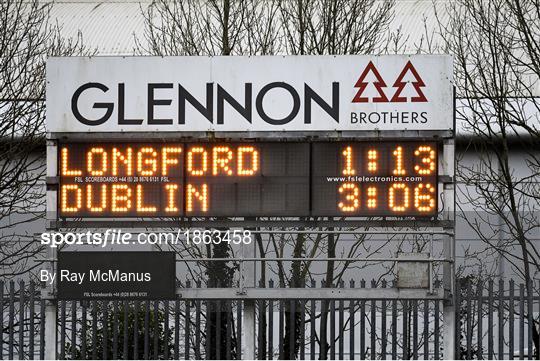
(352, 195)
(69, 188)
(372, 160)
(202, 196)
(221, 156)
(90, 162)
(169, 161)
(348, 170)
(64, 160)
(203, 164)
(254, 168)
(140, 207)
(423, 198)
(126, 159)
(121, 198)
(171, 204)
(392, 196)
(150, 161)
(90, 199)
(372, 197)
(398, 153)
(428, 160)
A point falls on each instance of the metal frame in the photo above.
(237, 223)
(255, 293)
(445, 226)
(251, 136)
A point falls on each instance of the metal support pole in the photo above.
(247, 279)
(449, 330)
(50, 331)
(248, 332)
(48, 293)
(449, 307)
(50, 310)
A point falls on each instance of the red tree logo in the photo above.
(417, 84)
(361, 85)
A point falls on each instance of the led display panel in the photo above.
(375, 179)
(214, 179)
(133, 179)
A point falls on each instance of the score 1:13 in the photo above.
(399, 189)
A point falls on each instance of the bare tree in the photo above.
(210, 27)
(26, 39)
(261, 27)
(496, 45)
(336, 27)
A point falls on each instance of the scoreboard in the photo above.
(252, 178)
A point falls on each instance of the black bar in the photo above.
(156, 329)
(187, 317)
(302, 316)
(500, 320)
(384, 340)
(490, 320)
(292, 311)
(332, 330)
(63, 330)
(521, 321)
(373, 330)
(341, 336)
(2, 320)
(73, 330)
(469, 320)
(511, 320)
(177, 330)
(281, 325)
(41, 330)
(94, 330)
(115, 330)
(197, 329)
(270, 330)
(208, 328)
(238, 330)
(136, 331)
(362, 324)
(11, 318)
(406, 335)
(260, 326)
(229, 331)
(83, 329)
(351, 328)
(426, 329)
(21, 320)
(126, 330)
(105, 330)
(415, 328)
(436, 330)
(218, 329)
(32, 321)
(480, 335)
(146, 352)
(394, 329)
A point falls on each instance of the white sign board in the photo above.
(267, 93)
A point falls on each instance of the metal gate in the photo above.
(497, 319)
